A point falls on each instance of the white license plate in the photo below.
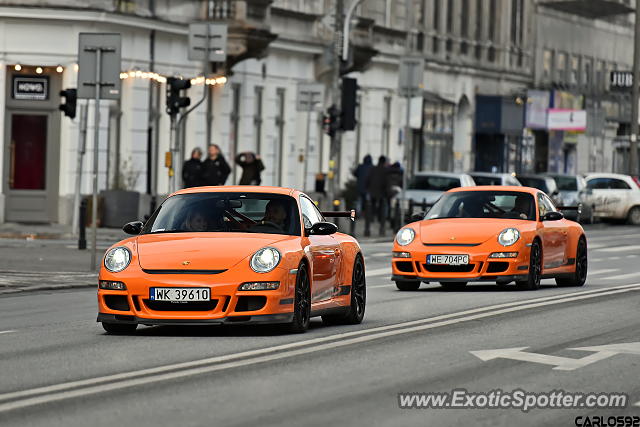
(448, 259)
(180, 294)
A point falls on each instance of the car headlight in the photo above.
(117, 259)
(265, 260)
(508, 236)
(405, 236)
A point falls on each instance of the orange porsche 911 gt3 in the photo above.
(490, 233)
(214, 255)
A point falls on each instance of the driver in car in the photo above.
(197, 220)
(522, 206)
(274, 218)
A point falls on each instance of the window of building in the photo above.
(464, 18)
(257, 117)
(587, 72)
(561, 67)
(547, 65)
(574, 76)
(493, 20)
(600, 77)
(436, 15)
(516, 22)
(478, 33)
(450, 16)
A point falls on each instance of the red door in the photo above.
(28, 152)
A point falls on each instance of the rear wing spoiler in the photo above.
(340, 214)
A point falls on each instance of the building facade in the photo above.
(475, 51)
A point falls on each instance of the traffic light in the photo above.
(70, 99)
(331, 121)
(174, 100)
(349, 103)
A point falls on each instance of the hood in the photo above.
(203, 251)
(464, 230)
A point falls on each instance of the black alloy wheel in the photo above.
(535, 269)
(355, 312)
(302, 302)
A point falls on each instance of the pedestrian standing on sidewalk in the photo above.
(251, 165)
(192, 170)
(362, 173)
(215, 170)
(378, 187)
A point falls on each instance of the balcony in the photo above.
(249, 33)
(592, 9)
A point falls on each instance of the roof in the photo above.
(237, 189)
(607, 175)
(515, 188)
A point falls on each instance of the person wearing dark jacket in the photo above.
(379, 189)
(215, 170)
(251, 165)
(192, 170)
(362, 173)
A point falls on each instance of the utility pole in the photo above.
(635, 95)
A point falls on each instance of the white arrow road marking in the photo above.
(621, 348)
(559, 363)
(52, 393)
(6, 332)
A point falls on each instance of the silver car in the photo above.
(574, 193)
(428, 186)
(490, 178)
(544, 183)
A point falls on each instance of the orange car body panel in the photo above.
(185, 252)
(478, 238)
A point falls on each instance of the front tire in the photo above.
(535, 269)
(579, 276)
(301, 302)
(407, 285)
(355, 314)
(119, 328)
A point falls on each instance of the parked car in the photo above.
(498, 234)
(615, 196)
(574, 193)
(490, 178)
(429, 186)
(544, 183)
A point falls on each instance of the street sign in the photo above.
(621, 80)
(208, 38)
(411, 76)
(109, 45)
(560, 363)
(309, 96)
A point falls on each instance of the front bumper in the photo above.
(480, 267)
(226, 304)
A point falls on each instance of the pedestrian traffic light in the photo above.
(70, 99)
(349, 103)
(331, 121)
(174, 100)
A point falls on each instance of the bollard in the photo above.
(396, 216)
(409, 213)
(82, 224)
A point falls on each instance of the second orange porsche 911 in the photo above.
(500, 233)
(212, 255)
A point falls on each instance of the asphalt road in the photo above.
(57, 367)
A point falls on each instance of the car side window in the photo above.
(618, 184)
(310, 213)
(545, 205)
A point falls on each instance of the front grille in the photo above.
(497, 266)
(404, 266)
(464, 268)
(117, 302)
(251, 303)
(181, 306)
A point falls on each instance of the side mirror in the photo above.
(418, 216)
(323, 229)
(133, 228)
(552, 216)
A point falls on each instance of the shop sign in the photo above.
(566, 119)
(31, 87)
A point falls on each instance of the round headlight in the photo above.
(508, 236)
(265, 260)
(405, 236)
(117, 259)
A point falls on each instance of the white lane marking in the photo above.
(558, 362)
(603, 271)
(6, 332)
(632, 256)
(128, 379)
(623, 276)
(380, 254)
(637, 403)
(620, 248)
(379, 272)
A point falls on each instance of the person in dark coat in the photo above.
(379, 189)
(251, 165)
(362, 173)
(192, 170)
(215, 170)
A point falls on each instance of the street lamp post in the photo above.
(635, 94)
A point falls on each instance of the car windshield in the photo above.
(433, 183)
(226, 212)
(484, 204)
(566, 183)
(487, 180)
